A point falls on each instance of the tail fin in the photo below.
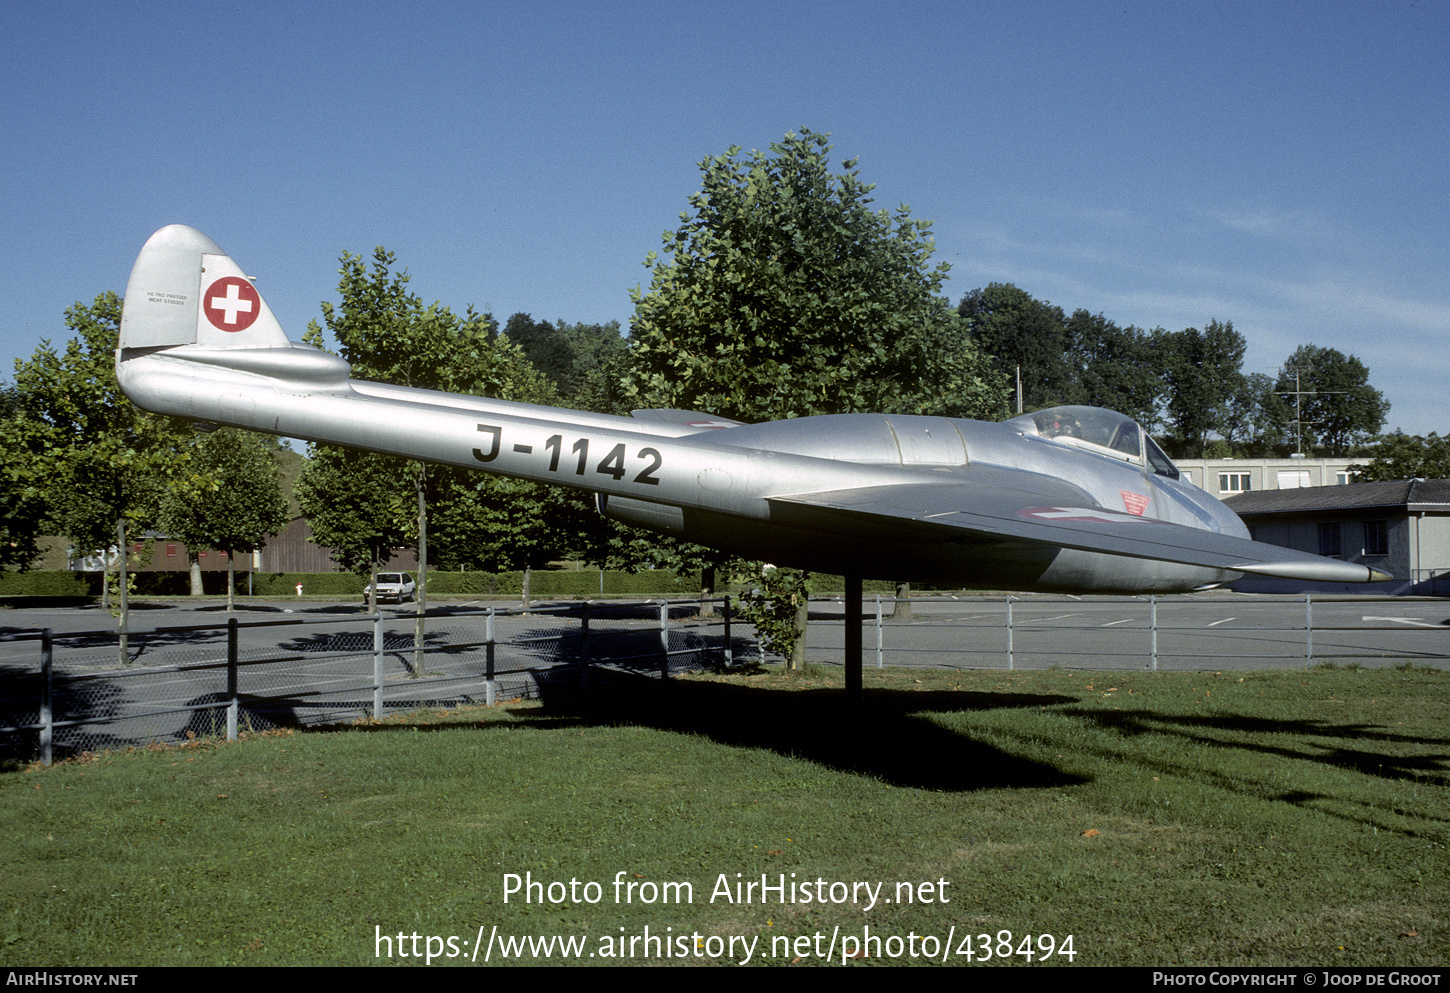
(184, 290)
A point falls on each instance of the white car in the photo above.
(395, 586)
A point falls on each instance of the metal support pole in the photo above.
(232, 679)
(490, 684)
(1010, 663)
(878, 631)
(664, 639)
(854, 685)
(47, 651)
(1153, 633)
(1308, 629)
(123, 641)
(584, 647)
(729, 644)
(378, 666)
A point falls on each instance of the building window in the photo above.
(1343, 478)
(170, 551)
(1293, 479)
(1233, 482)
(1376, 538)
(1329, 543)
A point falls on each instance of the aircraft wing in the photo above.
(1003, 513)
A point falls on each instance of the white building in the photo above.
(1228, 477)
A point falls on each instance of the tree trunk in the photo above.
(903, 603)
(193, 568)
(372, 593)
(802, 618)
(707, 590)
(527, 576)
(420, 595)
(231, 581)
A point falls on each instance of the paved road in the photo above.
(1220, 631)
(313, 661)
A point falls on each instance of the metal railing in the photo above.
(462, 657)
(1001, 642)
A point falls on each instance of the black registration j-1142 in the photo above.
(611, 465)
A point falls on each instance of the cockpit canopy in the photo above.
(1095, 429)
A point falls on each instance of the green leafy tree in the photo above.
(1403, 456)
(1113, 367)
(784, 294)
(1202, 375)
(582, 361)
(365, 505)
(1257, 421)
(352, 501)
(1023, 334)
(22, 482)
(1335, 406)
(96, 459)
(229, 499)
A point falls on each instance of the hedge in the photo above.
(543, 583)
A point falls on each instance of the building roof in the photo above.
(1404, 494)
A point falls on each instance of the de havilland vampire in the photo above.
(1075, 499)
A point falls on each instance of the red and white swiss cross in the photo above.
(231, 303)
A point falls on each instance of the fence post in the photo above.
(664, 639)
(1153, 633)
(878, 630)
(584, 647)
(1308, 629)
(46, 719)
(231, 679)
(729, 645)
(1010, 662)
(378, 665)
(490, 684)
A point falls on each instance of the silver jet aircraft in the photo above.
(1072, 498)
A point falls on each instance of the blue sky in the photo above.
(1279, 165)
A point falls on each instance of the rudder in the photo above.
(184, 290)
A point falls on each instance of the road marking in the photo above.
(1404, 620)
(1125, 620)
(1224, 621)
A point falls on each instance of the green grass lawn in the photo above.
(1296, 818)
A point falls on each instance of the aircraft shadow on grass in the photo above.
(1429, 769)
(891, 737)
(1432, 770)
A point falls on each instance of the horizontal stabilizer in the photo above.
(689, 418)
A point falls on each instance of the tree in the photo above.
(1256, 421)
(1336, 407)
(364, 505)
(351, 500)
(21, 488)
(1113, 367)
(1402, 456)
(582, 361)
(1023, 334)
(1202, 375)
(229, 499)
(785, 295)
(96, 459)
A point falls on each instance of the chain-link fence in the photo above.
(211, 680)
